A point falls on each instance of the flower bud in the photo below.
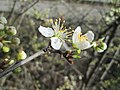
(15, 41)
(1, 26)
(100, 46)
(2, 33)
(21, 55)
(3, 20)
(11, 30)
(5, 49)
(1, 45)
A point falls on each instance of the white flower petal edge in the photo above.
(90, 36)
(47, 32)
(75, 34)
(56, 43)
(105, 46)
(84, 45)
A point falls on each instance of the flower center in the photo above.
(59, 33)
(82, 37)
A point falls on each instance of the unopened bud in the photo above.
(21, 55)
(15, 41)
(5, 49)
(100, 47)
(1, 26)
(3, 20)
(1, 44)
(11, 30)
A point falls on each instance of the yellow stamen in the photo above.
(56, 20)
(51, 20)
(61, 30)
(82, 37)
(59, 19)
(56, 23)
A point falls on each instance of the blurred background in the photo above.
(100, 71)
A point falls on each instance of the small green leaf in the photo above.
(11, 62)
(76, 56)
(78, 51)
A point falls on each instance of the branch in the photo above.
(26, 9)
(12, 10)
(10, 69)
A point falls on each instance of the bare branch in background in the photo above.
(10, 69)
(109, 66)
(26, 9)
(12, 10)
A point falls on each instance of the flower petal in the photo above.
(75, 34)
(56, 43)
(105, 46)
(90, 36)
(83, 45)
(47, 32)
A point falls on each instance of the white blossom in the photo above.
(82, 41)
(57, 33)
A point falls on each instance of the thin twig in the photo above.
(28, 7)
(10, 69)
(25, 10)
(12, 10)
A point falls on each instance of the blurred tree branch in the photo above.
(13, 67)
(12, 10)
(109, 66)
(25, 9)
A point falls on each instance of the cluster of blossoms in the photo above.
(8, 41)
(59, 35)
